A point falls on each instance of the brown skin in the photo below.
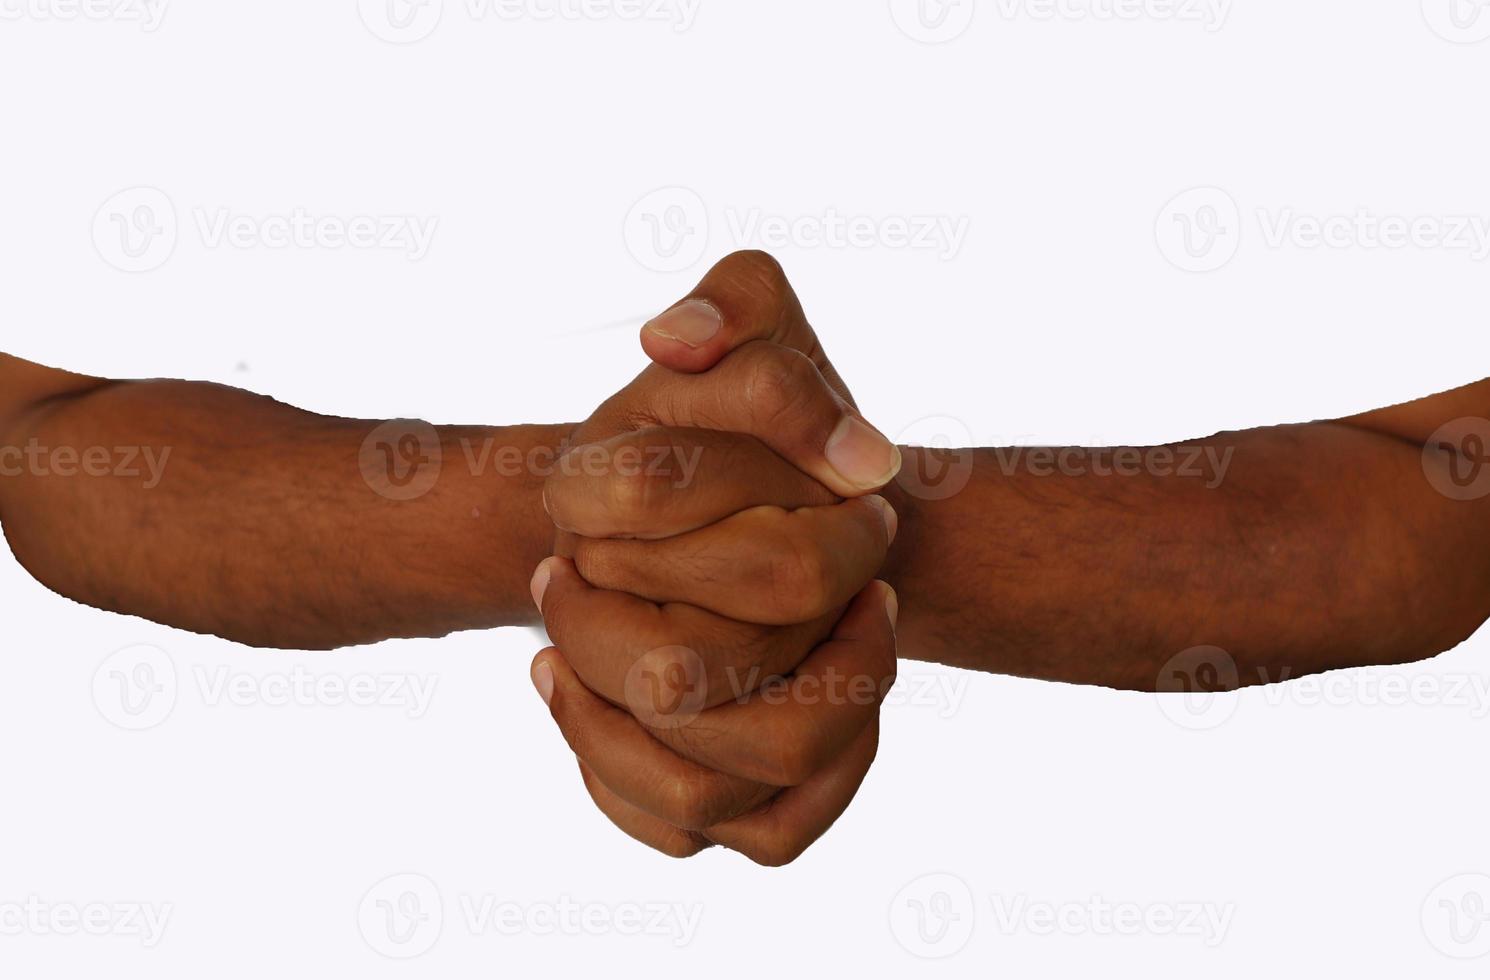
(262, 529)
(1325, 546)
(732, 575)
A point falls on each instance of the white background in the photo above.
(1320, 821)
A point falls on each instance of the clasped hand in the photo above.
(722, 646)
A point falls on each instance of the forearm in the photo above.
(1321, 546)
(229, 513)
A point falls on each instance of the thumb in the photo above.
(745, 297)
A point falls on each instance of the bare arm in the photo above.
(1295, 549)
(224, 512)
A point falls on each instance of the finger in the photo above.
(778, 832)
(658, 482)
(745, 297)
(777, 395)
(788, 730)
(664, 664)
(634, 765)
(762, 565)
(640, 826)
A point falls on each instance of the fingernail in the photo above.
(892, 520)
(543, 679)
(892, 606)
(861, 455)
(692, 323)
(539, 585)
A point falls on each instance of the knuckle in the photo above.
(642, 476)
(781, 383)
(800, 579)
(759, 272)
(690, 805)
(632, 495)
